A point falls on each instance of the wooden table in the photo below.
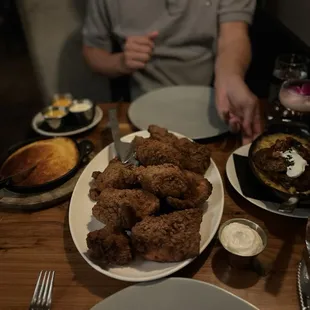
(30, 242)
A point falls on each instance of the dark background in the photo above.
(20, 96)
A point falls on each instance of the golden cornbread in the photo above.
(54, 158)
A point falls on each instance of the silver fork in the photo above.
(42, 296)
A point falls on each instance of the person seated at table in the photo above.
(178, 42)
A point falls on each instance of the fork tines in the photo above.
(42, 296)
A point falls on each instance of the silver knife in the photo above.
(123, 149)
(303, 286)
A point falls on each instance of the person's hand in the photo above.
(137, 52)
(239, 108)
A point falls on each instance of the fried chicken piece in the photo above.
(163, 180)
(195, 156)
(162, 134)
(124, 208)
(199, 190)
(151, 152)
(112, 247)
(116, 175)
(168, 238)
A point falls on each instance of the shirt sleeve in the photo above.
(236, 10)
(96, 30)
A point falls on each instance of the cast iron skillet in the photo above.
(302, 131)
(84, 147)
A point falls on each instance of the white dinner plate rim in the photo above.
(177, 279)
(95, 122)
(230, 166)
(163, 274)
(159, 90)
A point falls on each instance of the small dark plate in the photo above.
(296, 129)
(84, 147)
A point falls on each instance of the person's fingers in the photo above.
(257, 123)
(135, 65)
(143, 49)
(246, 139)
(153, 35)
(248, 116)
(222, 106)
(143, 40)
(234, 124)
(142, 57)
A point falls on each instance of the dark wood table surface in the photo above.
(30, 242)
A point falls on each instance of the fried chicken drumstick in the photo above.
(116, 175)
(111, 247)
(163, 180)
(168, 238)
(199, 190)
(124, 208)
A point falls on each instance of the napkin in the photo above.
(249, 184)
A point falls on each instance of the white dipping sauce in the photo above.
(80, 106)
(298, 163)
(241, 239)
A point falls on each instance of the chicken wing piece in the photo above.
(168, 238)
(152, 152)
(162, 134)
(112, 247)
(198, 192)
(116, 175)
(163, 180)
(196, 157)
(124, 208)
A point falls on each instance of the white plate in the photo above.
(82, 222)
(266, 205)
(38, 119)
(189, 110)
(174, 294)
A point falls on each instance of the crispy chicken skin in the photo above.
(168, 238)
(112, 247)
(124, 208)
(151, 152)
(162, 134)
(199, 190)
(116, 175)
(194, 156)
(163, 180)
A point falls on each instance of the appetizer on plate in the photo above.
(155, 209)
(282, 161)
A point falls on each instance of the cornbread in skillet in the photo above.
(53, 157)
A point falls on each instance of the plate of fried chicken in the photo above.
(144, 222)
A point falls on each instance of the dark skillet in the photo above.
(289, 128)
(84, 147)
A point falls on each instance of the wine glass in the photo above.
(287, 67)
(295, 96)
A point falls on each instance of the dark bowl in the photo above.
(84, 147)
(301, 131)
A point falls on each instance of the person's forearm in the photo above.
(101, 61)
(233, 55)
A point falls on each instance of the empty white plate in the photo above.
(189, 110)
(174, 294)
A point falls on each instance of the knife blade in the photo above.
(122, 148)
(303, 286)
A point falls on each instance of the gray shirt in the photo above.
(185, 48)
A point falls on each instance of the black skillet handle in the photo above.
(85, 148)
(288, 127)
(4, 182)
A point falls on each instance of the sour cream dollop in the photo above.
(298, 164)
(241, 239)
